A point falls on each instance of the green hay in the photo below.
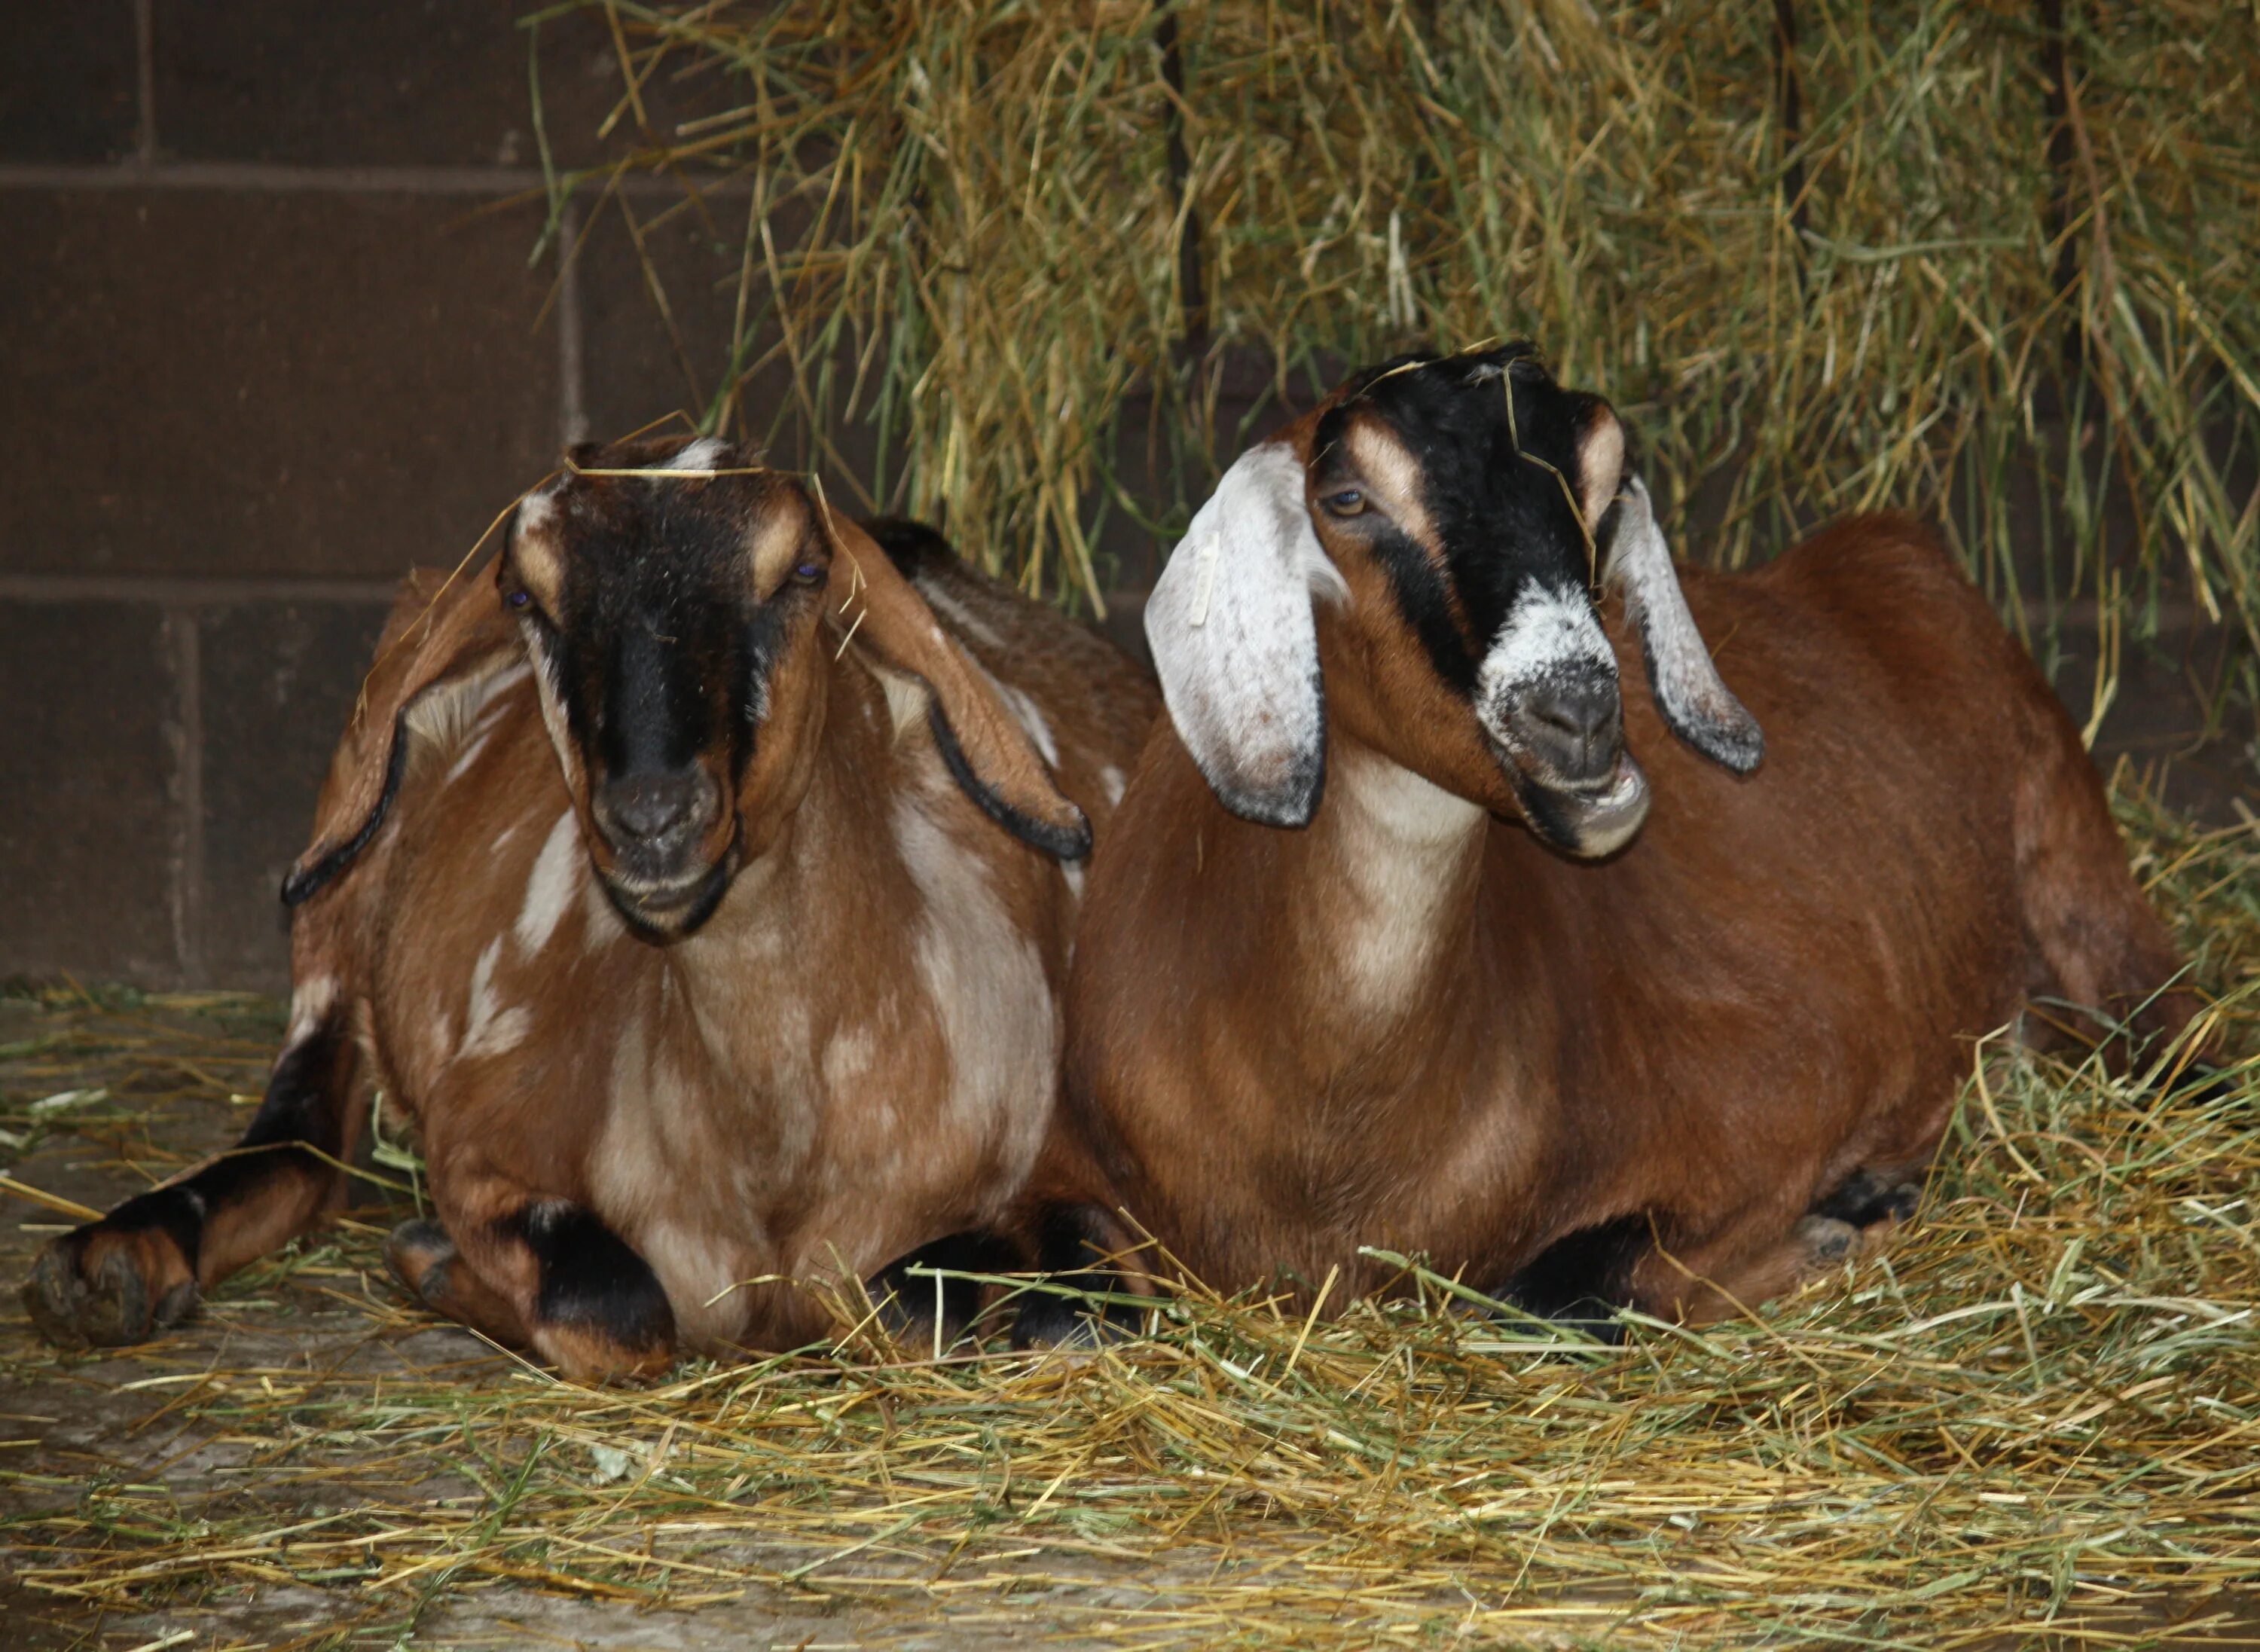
(965, 229)
(2036, 1415)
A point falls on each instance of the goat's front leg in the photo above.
(538, 1272)
(144, 1265)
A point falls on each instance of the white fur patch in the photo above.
(1547, 633)
(489, 1027)
(1404, 847)
(847, 1056)
(1110, 782)
(443, 718)
(552, 885)
(907, 696)
(463, 764)
(699, 455)
(986, 980)
(311, 1000)
(963, 618)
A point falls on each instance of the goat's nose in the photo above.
(654, 806)
(1574, 724)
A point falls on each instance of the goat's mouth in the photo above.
(662, 909)
(1592, 820)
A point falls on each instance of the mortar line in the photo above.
(572, 364)
(145, 71)
(174, 591)
(248, 177)
(186, 647)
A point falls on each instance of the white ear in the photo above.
(1236, 644)
(1697, 705)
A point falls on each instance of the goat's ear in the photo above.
(1696, 703)
(442, 632)
(1236, 645)
(991, 755)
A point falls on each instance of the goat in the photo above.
(1394, 943)
(700, 885)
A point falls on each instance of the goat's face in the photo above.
(1453, 497)
(672, 618)
(1443, 510)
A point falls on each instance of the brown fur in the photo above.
(1776, 985)
(855, 1054)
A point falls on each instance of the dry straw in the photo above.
(1993, 261)
(2039, 1411)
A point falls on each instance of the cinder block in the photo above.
(391, 82)
(67, 78)
(235, 384)
(278, 682)
(637, 369)
(87, 840)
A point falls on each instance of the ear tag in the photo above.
(1204, 578)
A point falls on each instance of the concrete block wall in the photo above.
(269, 334)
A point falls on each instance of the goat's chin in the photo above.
(670, 911)
(1590, 822)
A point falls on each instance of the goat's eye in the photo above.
(518, 599)
(1349, 502)
(808, 572)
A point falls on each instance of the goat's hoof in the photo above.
(98, 1287)
(1827, 1240)
(416, 1255)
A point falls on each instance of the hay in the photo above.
(994, 237)
(2040, 1411)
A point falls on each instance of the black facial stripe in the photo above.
(655, 718)
(1425, 602)
(764, 643)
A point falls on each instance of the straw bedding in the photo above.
(1998, 261)
(2038, 1413)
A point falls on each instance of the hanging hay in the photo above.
(2039, 1411)
(1992, 261)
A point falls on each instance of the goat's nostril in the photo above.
(1574, 723)
(651, 806)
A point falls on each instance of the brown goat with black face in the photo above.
(1471, 1007)
(701, 884)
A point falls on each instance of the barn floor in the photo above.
(2033, 1423)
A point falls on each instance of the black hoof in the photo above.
(106, 1304)
(416, 1255)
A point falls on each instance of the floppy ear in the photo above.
(442, 633)
(988, 753)
(1697, 705)
(1236, 644)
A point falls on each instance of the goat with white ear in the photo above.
(1671, 1030)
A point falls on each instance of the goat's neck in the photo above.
(781, 938)
(1389, 873)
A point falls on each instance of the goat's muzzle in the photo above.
(662, 865)
(1560, 737)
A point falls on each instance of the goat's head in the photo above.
(1442, 512)
(682, 606)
